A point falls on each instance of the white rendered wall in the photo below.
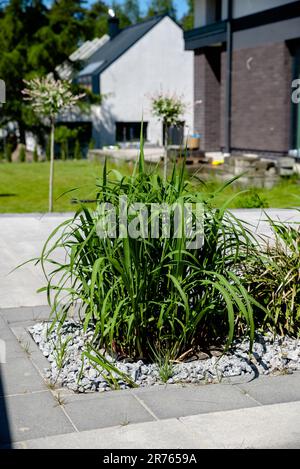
(158, 62)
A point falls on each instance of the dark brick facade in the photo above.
(261, 99)
(207, 98)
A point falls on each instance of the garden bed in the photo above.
(68, 367)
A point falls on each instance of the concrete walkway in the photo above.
(233, 414)
(22, 238)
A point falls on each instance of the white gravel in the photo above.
(270, 355)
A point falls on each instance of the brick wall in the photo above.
(261, 97)
(207, 98)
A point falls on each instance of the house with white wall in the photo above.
(130, 67)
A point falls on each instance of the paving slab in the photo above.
(106, 410)
(32, 415)
(274, 389)
(274, 426)
(31, 348)
(147, 435)
(177, 401)
(25, 314)
(18, 376)
(22, 238)
(13, 348)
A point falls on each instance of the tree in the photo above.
(95, 21)
(59, 37)
(19, 22)
(160, 7)
(49, 97)
(168, 109)
(187, 21)
(133, 11)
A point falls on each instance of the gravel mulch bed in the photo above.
(270, 355)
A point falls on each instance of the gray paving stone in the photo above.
(5, 332)
(32, 416)
(169, 402)
(23, 314)
(24, 338)
(72, 396)
(275, 426)
(106, 411)
(272, 426)
(147, 435)
(274, 389)
(13, 350)
(19, 376)
(16, 345)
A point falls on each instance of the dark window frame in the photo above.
(130, 131)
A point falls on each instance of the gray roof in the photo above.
(114, 48)
(90, 69)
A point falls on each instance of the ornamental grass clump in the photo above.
(275, 280)
(147, 293)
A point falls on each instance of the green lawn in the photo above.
(24, 187)
(285, 194)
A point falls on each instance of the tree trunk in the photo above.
(166, 152)
(51, 168)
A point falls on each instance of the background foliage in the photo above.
(36, 36)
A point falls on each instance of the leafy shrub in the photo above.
(92, 144)
(8, 152)
(251, 199)
(275, 280)
(22, 154)
(147, 294)
(77, 151)
(35, 155)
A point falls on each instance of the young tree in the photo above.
(50, 97)
(168, 109)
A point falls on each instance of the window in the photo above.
(130, 131)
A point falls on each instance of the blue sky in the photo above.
(181, 5)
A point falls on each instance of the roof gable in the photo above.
(117, 46)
